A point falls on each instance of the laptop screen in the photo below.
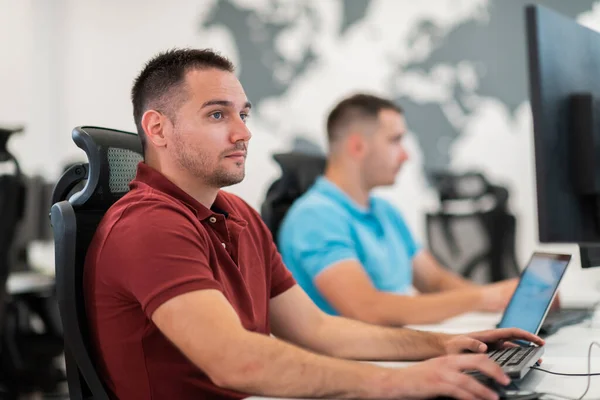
(534, 294)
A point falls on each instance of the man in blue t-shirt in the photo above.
(353, 252)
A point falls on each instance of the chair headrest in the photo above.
(113, 157)
(303, 167)
(470, 186)
(5, 133)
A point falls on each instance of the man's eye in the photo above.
(244, 116)
(217, 115)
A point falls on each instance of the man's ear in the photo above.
(154, 124)
(356, 144)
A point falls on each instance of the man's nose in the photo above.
(240, 131)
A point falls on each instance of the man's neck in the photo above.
(190, 184)
(348, 182)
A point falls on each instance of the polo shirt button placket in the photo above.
(213, 220)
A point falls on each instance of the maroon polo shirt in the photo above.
(156, 243)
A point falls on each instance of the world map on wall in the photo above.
(457, 68)
(481, 56)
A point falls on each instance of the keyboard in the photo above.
(564, 317)
(516, 361)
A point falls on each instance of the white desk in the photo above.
(566, 351)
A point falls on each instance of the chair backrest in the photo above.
(5, 134)
(28, 228)
(11, 211)
(113, 157)
(298, 173)
(473, 233)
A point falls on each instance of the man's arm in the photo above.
(206, 329)
(347, 287)
(204, 326)
(431, 277)
(295, 318)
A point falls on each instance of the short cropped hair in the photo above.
(160, 85)
(357, 107)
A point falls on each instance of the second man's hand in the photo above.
(494, 297)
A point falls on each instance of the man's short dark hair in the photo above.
(160, 84)
(357, 107)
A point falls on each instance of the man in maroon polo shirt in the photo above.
(183, 284)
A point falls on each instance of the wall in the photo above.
(458, 68)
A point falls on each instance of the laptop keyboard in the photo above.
(516, 361)
(510, 356)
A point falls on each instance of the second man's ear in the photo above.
(356, 145)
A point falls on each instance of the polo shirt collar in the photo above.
(151, 177)
(332, 191)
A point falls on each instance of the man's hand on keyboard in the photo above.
(482, 341)
(444, 376)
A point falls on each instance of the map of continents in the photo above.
(458, 68)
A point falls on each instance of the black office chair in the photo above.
(27, 354)
(473, 233)
(298, 173)
(113, 157)
(11, 211)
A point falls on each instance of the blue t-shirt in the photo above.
(325, 226)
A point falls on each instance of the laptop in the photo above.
(528, 308)
(535, 292)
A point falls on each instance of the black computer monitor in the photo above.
(564, 67)
(564, 76)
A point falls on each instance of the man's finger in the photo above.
(464, 344)
(520, 334)
(483, 364)
(506, 334)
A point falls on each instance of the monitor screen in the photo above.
(564, 65)
(534, 294)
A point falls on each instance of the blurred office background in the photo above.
(457, 67)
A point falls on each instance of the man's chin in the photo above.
(230, 181)
(391, 181)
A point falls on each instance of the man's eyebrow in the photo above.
(224, 103)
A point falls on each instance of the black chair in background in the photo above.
(11, 198)
(473, 233)
(298, 173)
(28, 355)
(32, 328)
(112, 163)
(11, 210)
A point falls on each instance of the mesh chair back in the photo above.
(113, 157)
(473, 233)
